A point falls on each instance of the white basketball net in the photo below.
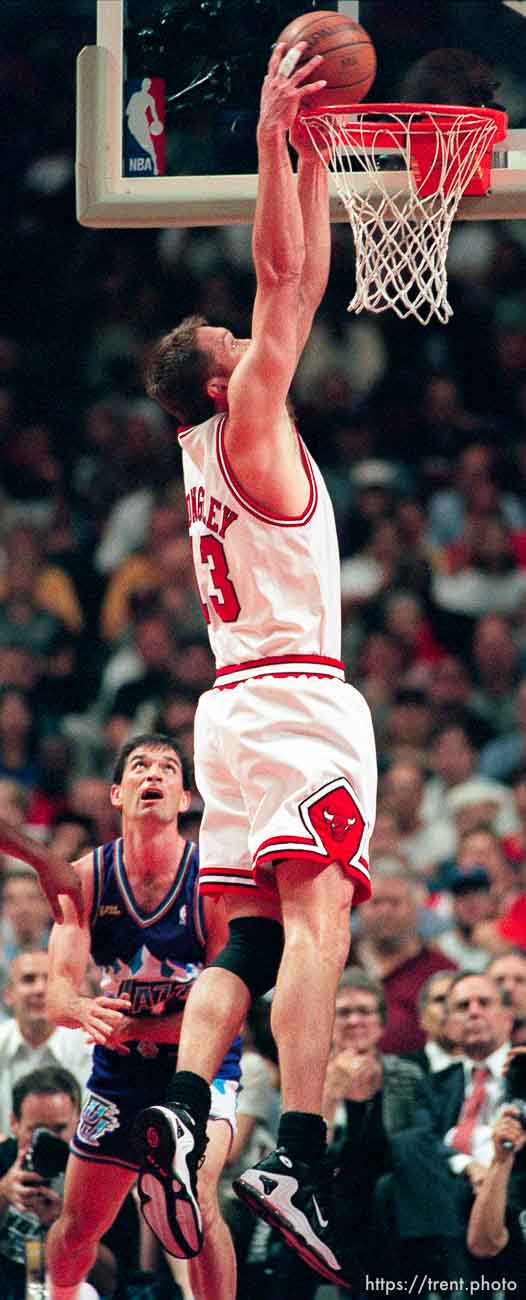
(401, 237)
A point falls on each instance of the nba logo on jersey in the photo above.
(144, 141)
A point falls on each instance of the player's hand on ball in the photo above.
(283, 92)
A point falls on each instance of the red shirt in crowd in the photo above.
(402, 1033)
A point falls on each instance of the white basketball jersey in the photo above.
(270, 585)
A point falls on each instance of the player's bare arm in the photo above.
(69, 951)
(313, 194)
(56, 877)
(260, 441)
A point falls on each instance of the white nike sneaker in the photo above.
(295, 1198)
(170, 1151)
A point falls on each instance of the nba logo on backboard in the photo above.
(144, 134)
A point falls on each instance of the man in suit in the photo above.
(439, 1050)
(483, 1022)
(424, 1203)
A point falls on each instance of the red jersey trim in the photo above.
(274, 849)
(280, 666)
(253, 507)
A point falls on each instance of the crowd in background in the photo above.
(421, 436)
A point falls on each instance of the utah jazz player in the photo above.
(150, 936)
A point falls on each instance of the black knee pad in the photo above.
(253, 952)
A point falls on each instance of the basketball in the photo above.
(349, 59)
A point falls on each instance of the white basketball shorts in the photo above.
(285, 762)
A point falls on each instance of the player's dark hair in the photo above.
(177, 370)
(151, 740)
(51, 1079)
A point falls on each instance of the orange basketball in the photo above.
(349, 58)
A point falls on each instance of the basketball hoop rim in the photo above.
(450, 115)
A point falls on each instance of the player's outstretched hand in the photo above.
(285, 87)
(105, 1019)
(56, 877)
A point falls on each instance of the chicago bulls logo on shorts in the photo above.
(336, 821)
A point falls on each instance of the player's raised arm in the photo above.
(69, 950)
(313, 194)
(258, 387)
(56, 877)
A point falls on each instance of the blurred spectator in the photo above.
(17, 747)
(502, 757)
(480, 801)
(374, 494)
(141, 573)
(495, 663)
(50, 795)
(32, 473)
(25, 918)
(390, 949)
(509, 973)
(487, 577)
(404, 618)
(146, 458)
(380, 667)
(89, 798)
(475, 492)
(72, 835)
(421, 842)
(408, 725)
(471, 897)
(450, 693)
(29, 1041)
(439, 1049)
(27, 575)
(453, 759)
(145, 668)
(368, 573)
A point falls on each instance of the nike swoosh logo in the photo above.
(322, 1222)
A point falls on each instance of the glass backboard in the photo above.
(167, 99)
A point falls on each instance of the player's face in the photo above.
(223, 346)
(151, 786)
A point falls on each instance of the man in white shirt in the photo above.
(29, 1041)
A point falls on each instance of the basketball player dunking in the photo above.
(149, 933)
(284, 749)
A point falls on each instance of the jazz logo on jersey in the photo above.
(99, 1116)
(144, 134)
